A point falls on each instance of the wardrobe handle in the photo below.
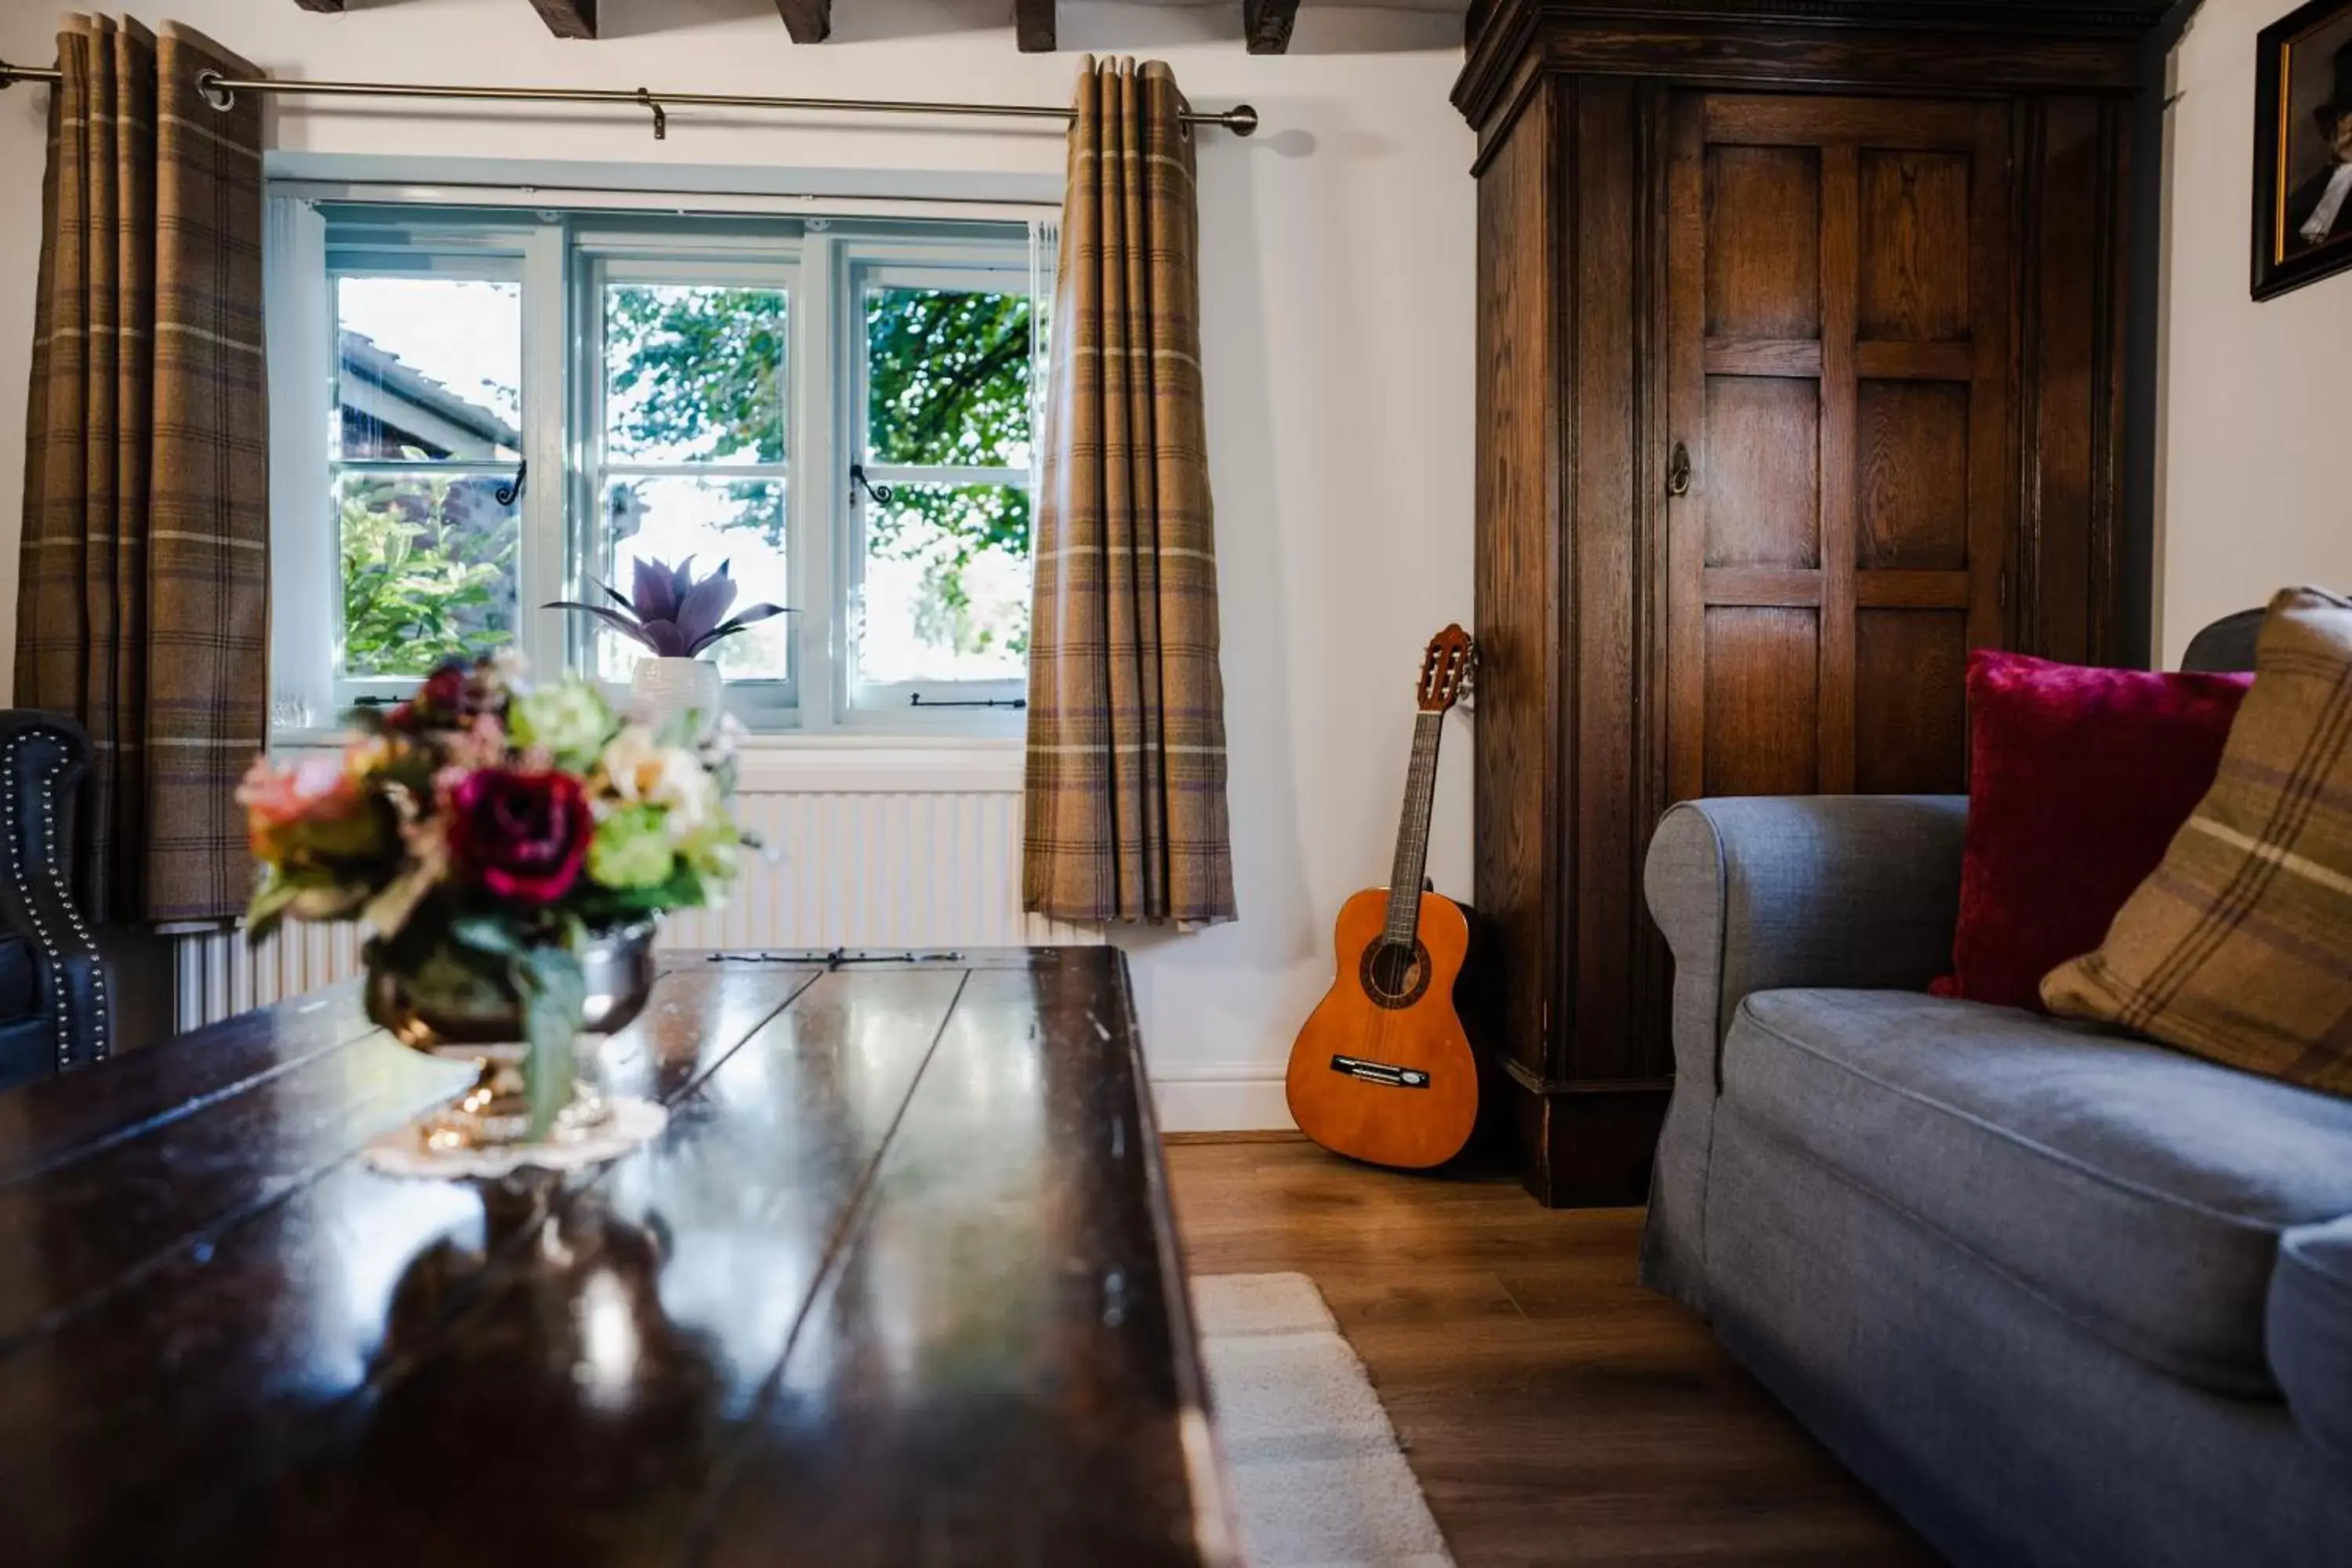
(1678, 471)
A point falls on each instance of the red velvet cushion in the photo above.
(2078, 778)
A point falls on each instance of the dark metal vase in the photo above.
(482, 1023)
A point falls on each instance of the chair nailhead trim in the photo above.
(82, 946)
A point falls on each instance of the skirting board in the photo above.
(1219, 1097)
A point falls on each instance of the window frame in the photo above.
(599, 260)
(899, 265)
(421, 246)
(561, 256)
(485, 268)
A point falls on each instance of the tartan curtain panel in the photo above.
(142, 592)
(1126, 780)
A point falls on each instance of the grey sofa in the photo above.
(2058, 1295)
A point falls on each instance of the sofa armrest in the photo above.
(1763, 891)
(2307, 1331)
(43, 758)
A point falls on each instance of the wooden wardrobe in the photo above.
(1801, 349)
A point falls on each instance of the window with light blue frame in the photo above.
(476, 410)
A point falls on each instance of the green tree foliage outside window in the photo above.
(948, 375)
(698, 368)
(428, 572)
(948, 383)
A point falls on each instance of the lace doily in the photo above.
(629, 1122)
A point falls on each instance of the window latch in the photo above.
(915, 699)
(878, 494)
(511, 493)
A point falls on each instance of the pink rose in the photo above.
(313, 789)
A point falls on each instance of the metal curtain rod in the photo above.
(220, 92)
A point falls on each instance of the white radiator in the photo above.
(854, 868)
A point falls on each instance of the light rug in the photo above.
(1317, 1479)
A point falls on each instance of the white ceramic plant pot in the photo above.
(664, 690)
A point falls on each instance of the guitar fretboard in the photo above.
(1413, 832)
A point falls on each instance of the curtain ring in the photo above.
(209, 88)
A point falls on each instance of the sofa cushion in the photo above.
(2310, 1325)
(2078, 777)
(2137, 1190)
(2238, 947)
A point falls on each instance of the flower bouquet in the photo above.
(510, 849)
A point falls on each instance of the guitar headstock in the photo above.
(1445, 669)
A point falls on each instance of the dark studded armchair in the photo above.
(53, 1004)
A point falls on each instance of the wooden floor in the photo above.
(1555, 1412)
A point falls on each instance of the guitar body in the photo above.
(1382, 1070)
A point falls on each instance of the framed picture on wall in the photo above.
(2302, 147)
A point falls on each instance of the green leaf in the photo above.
(555, 992)
(492, 934)
(268, 911)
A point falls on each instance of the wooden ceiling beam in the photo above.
(1267, 24)
(565, 19)
(808, 21)
(1033, 25)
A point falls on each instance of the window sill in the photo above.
(827, 764)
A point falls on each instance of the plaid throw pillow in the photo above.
(2238, 947)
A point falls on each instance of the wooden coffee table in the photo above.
(896, 1285)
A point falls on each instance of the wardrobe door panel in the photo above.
(1764, 440)
(1768, 285)
(1838, 340)
(1907, 668)
(1762, 705)
(1911, 478)
(1913, 283)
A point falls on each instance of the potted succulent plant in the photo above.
(675, 616)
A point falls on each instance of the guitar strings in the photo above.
(1404, 880)
(1373, 1037)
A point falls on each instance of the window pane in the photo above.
(946, 585)
(432, 367)
(947, 377)
(741, 524)
(694, 374)
(428, 571)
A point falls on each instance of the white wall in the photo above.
(2257, 407)
(1337, 288)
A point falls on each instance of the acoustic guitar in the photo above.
(1383, 1072)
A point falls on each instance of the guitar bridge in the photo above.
(1384, 1073)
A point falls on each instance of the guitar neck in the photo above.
(1413, 831)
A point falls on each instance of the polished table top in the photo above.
(896, 1284)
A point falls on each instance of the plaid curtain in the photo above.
(142, 596)
(1126, 797)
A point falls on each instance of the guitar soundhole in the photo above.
(1395, 975)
